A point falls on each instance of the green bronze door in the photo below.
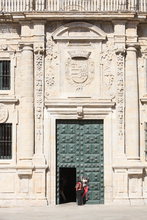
(80, 145)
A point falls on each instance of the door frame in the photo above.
(96, 111)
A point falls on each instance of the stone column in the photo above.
(26, 113)
(132, 105)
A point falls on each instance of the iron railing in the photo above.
(73, 5)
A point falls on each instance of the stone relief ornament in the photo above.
(39, 56)
(79, 54)
(50, 67)
(3, 113)
(107, 59)
(120, 92)
(79, 72)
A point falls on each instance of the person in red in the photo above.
(79, 192)
(85, 187)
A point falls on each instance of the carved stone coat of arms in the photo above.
(79, 72)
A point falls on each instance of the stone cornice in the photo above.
(143, 100)
(75, 102)
(8, 100)
(71, 15)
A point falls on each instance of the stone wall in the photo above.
(74, 70)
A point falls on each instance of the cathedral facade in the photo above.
(73, 101)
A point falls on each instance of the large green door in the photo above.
(80, 145)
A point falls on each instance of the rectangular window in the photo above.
(4, 74)
(6, 141)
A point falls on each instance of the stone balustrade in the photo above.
(73, 5)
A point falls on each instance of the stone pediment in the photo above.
(79, 31)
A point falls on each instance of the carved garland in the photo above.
(38, 91)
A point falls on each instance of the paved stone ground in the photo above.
(73, 212)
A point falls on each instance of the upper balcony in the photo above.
(74, 7)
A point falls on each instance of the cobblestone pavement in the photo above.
(74, 212)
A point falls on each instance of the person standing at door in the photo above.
(79, 192)
(85, 187)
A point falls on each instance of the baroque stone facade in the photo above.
(74, 69)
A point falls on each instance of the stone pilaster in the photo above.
(132, 105)
(120, 53)
(39, 31)
(120, 38)
(26, 113)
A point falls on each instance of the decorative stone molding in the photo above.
(79, 54)
(133, 47)
(39, 74)
(120, 92)
(8, 100)
(108, 74)
(9, 48)
(80, 113)
(135, 171)
(51, 65)
(25, 172)
(94, 103)
(94, 32)
(38, 49)
(143, 100)
(3, 113)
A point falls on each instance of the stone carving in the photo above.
(79, 72)
(107, 68)
(120, 92)
(3, 113)
(79, 53)
(5, 48)
(51, 63)
(80, 113)
(38, 90)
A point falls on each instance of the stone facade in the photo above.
(109, 54)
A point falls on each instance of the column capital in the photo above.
(26, 46)
(39, 49)
(132, 47)
(121, 51)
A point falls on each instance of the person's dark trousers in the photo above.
(79, 197)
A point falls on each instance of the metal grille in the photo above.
(6, 141)
(4, 74)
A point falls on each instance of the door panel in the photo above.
(80, 145)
